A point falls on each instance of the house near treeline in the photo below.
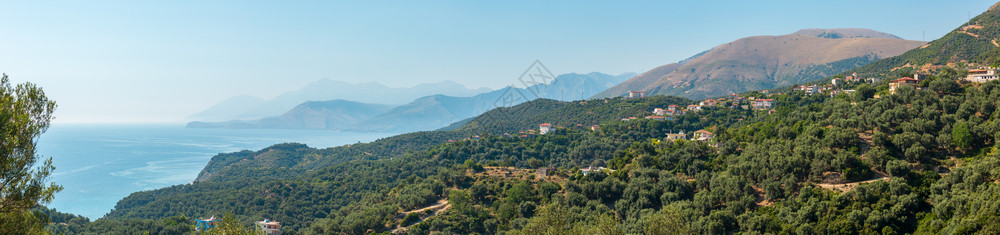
(694, 107)
(762, 103)
(269, 227)
(206, 224)
(708, 102)
(902, 81)
(544, 128)
(702, 135)
(636, 94)
(676, 136)
(982, 75)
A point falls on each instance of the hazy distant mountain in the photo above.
(244, 108)
(227, 109)
(333, 114)
(765, 62)
(433, 112)
(846, 33)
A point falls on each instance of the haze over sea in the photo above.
(99, 164)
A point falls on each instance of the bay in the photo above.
(99, 164)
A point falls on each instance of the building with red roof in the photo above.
(544, 128)
(902, 81)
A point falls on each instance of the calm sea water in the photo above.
(100, 164)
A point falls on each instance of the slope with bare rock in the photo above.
(765, 62)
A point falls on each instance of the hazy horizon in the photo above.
(158, 62)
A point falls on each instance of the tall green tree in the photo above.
(25, 113)
(961, 137)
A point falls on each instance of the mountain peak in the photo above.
(765, 62)
(846, 33)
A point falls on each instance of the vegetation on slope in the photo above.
(977, 41)
(761, 173)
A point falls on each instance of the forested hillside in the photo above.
(976, 41)
(922, 160)
(928, 152)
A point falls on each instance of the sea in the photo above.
(99, 164)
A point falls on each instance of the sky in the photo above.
(160, 61)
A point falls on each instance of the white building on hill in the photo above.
(544, 128)
(982, 75)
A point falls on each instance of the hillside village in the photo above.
(764, 104)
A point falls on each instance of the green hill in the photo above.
(977, 41)
(926, 150)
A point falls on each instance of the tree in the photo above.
(666, 221)
(229, 225)
(960, 136)
(25, 113)
(944, 86)
(864, 92)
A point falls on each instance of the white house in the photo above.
(269, 227)
(636, 94)
(703, 135)
(544, 128)
(678, 136)
(981, 75)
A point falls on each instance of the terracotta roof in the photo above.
(905, 79)
(545, 124)
(703, 132)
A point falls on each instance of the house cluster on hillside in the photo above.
(543, 129)
(266, 226)
(977, 75)
(733, 101)
(811, 90)
(699, 135)
(671, 111)
(852, 79)
(830, 89)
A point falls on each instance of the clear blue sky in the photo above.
(146, 61)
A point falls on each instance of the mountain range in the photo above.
(765, 62)
(245, 107)
(424, 113)
(331, 114)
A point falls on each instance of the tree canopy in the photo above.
(25, 113)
